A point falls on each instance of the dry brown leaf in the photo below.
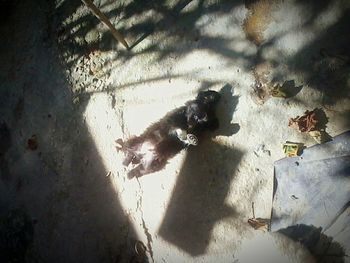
(259, 223)
(305, 123)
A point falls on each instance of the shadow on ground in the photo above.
(198, 199)
(56, 203)
(166, 17)
(322, 247)
(323, 62)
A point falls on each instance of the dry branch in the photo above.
(118, 36)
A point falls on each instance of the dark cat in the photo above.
(175, 131)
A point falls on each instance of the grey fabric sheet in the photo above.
(314, 189)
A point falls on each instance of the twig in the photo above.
(118, 36)
(253, 209)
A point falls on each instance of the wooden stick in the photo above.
(118, 36)
(253, 210)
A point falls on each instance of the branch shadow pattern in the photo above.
(171, 20)
(324, 62)
(175, 20)
(198, 200)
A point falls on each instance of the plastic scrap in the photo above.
(292, 149)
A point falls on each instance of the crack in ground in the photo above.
(149, 238)
(144, 226)
(120, 112)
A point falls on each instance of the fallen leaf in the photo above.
(277, 91)
(259, 223)
(305, 123)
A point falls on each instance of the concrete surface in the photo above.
(66, 80)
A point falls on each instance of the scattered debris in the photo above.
(32, 143)
(90, 72)
(258, 223)
(262, 75)
(260, 149)
(277, 91)
(266, 87)
(292, 149)
(260, 93)
(287, 90)
(305, 123)
(313, 122)
(264, 90)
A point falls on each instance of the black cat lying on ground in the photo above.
(164, 139)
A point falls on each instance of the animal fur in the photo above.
(151, 150)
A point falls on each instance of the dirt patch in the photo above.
(262, 75)
(259, 16)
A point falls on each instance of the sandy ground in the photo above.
(68, 82)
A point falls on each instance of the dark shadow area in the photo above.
(325, 61)
(322, 118)
(198, 200)
(322, 247)
(7, 7)
(16, 234)
(56, 203)
(225, 111)
(5, 144)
